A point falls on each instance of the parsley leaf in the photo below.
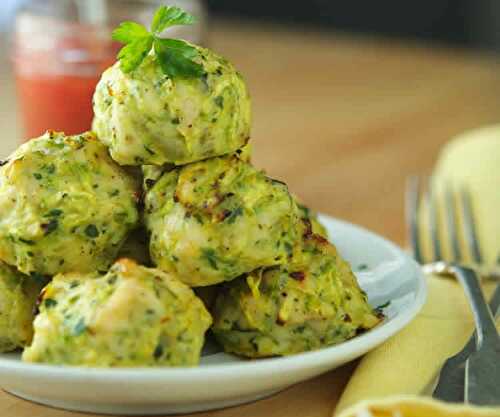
(128, 32)
(175, 57)
(167, 16)
(133, 53)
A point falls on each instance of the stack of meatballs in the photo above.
(125, 245)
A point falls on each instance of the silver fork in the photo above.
(451, 384)
(482, 370)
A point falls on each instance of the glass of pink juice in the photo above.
(61, 47)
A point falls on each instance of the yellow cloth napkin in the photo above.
(411, 406)
(389, 380)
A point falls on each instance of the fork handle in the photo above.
(483, 317)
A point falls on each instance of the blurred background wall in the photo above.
(470, 23)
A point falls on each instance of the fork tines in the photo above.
(445, 207)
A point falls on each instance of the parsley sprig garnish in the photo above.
(175, 56)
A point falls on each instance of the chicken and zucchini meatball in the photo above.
(214, 220)
(312, 302)
(18, 295)
(146, 117)
(65, 204)
(132, 316)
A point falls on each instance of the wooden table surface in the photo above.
(343, 121)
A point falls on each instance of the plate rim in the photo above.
(305, 360)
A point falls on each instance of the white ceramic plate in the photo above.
(384, 271)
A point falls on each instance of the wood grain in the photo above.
(343, 121)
